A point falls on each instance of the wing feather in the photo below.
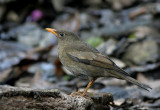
(95, 59)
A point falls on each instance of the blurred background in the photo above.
(128, 31)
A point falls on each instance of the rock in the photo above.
(142, 52)
(119, 102)
(107, 47)
(26, 98)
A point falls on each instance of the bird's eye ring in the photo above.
(61, 34)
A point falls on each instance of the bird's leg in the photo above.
(88, 86)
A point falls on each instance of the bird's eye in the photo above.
(61, 34)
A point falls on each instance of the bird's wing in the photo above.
(95, 59)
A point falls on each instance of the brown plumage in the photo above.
(84, 60)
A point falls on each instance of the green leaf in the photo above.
(132, 36)
(67, 77)
(95, 41)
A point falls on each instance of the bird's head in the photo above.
(63, 36)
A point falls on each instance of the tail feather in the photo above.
(129, 79)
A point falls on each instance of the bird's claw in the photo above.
(79, 93)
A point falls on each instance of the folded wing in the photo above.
(95, 59)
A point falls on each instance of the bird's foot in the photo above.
(79, 93)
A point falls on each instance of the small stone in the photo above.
(120, 4)
(142, 52)
(13, 16)
(119, 101)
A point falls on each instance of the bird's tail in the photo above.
(130, 79)
(121, 75)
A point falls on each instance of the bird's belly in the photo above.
(76, 71)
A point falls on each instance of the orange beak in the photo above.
(52, 31)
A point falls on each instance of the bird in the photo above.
(82, 59)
